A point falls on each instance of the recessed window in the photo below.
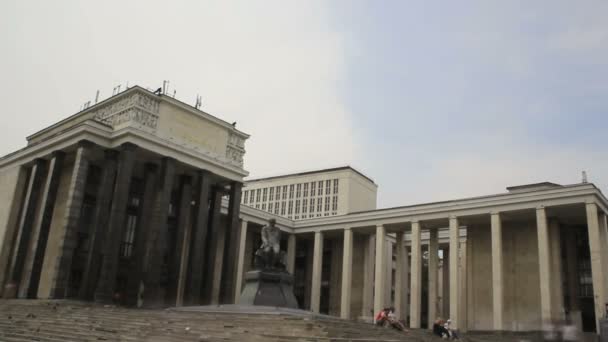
(251, 196)
(270, 207)
(271, 194)
(283, 208)
(245, 198)
(298, 190)
(335, 186)
(312, 188)
(297, 207)
(258, 192)
(326, 203)
(327, 186)
(305, 190)
(264, 194)
(312, 205)
(291, 191)
(284, 192)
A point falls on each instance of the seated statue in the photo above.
(269, 255)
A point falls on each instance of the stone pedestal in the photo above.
(268, 288)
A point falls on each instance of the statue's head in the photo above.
(272, 222)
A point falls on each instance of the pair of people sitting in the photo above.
(442, 329)
(386, 317)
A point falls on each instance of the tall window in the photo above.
(257, 195)
(304, 206)
(320, 204)
(335, 186)
(326, 203)
(264, 195)
(278, 191)
(271, 195)
(270, 207)
(291, 191)
(297, 207)
(327, 186)
(305, 190)
(264, 206)
(320, 186)
(276, 208)
(283, 208)
(252, 193)
(284, 191)
(298, 190)
(312, 189)
(245, 196)
(290, 209)
(334, 203)
(312, 205)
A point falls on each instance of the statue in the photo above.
(269, 255)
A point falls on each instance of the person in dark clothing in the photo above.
(439, 329)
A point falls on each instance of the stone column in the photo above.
(368, 277)
(116, 225)
(40, 233)
(291, 253)
(73, 206)
(544, 264)
(240, 261)
(445, 310)
(401, 283)
(26, 223)
(317, 269)
(497, 272)
(557, 291)
(416, 276)
(176, 259)
(215, 251)
(454, 277)
(347, 268)
(156, 244)
(198, 241)
(231, 242)
(597, 265)
(432, 276)
(100, 224)
(380, 275)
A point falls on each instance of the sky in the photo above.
(433, 100)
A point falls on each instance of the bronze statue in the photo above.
(269, 255)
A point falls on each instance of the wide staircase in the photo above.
(65, 320)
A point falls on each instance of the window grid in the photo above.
(335, 186)
(270, 207)
(284, 192)
(298, 190)
(245, 197)
(297, 207)
(251, 195)
(304, 206)
(312, 205)
(326, 203)
(334, 203)
(290, 209)
(291, 191)
(327, 186)
(305, 190)
(271, 194)
(257, 195)
(312, 189)
(264, 194)
(283, 208)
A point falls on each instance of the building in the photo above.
(319, 193)
(137, 200)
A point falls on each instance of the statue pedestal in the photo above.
(268, 288)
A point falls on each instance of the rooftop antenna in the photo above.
(165, 86)
(199, 100)
(584, 176)
(97, 96)
(86, 105)
(174, 91)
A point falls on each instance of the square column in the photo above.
(497, 272)
(432, 276)
(597, 263)
(368, 277)
(380, 274)
(240, 262)
(291, 253)
(544, 264)
(416, 274)
(454, 276)
(401, 273)
(176, 259)
(317, 268)
(347, 276)
(231, 242)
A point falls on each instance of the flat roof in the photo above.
(304, 173)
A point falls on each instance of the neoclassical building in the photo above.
(137, 201)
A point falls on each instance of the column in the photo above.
(71, 219)
(116, 225)
(416, 274)
(347, 268)
(215, 251)
(156, 242)
(401, 284)
(454, 278)
(368, 277)
(240, 262)
(100, 224)
(40, 233)
(497, 272)
(388, 273)
(175, 259)
(291, 253)
(432, 276)
(26, 223)
(231, 241)
(317, 268)
(597, 265)
(544, 264)
(198, 241)
(380, 275)
(557, 291)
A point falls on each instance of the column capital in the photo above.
(452, 217)
(348, 228)
(128, 147)
(540, 207)
(380, 226)
(85, 143)
(495, 212)
(415, 221)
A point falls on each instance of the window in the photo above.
(320, 204)
(305, 190)
(126, 248)
(327, 186)
(264, 195)
(264, 206)
(276, 208)
(296, 218)
(312, 205)
(283, 208)
(291, 191)
(252, 193)
(334, 203)
(290, 209)
(278, 192)
(270, 207)
(257, 195)
(297, 207)
(335, 186)
(271, 195)
(298, 190)
(312, 189)
(245, 196)
(257, 206)
(304, 206)
(284, 191)
(320, 191)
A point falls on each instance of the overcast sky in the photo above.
(433, 100)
